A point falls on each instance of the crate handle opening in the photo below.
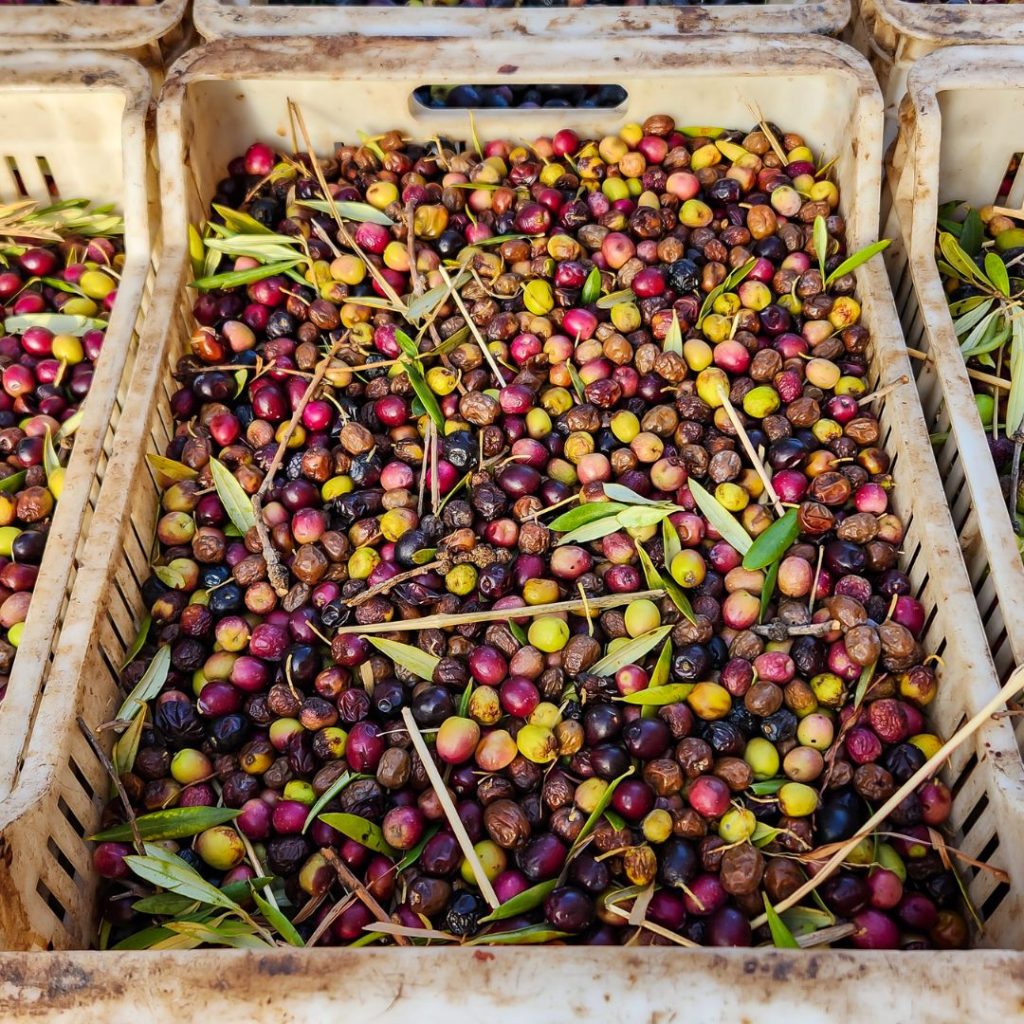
(502, 98)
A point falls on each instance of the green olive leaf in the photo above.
(959, 262)
(614, 298)
(236, 502)
(527, 900)
(660, 672)
(964, 323)
(362, 213)
(151, 683)
(670, 542)
(327, 796)
(239, 222)
(517, 631)
(806, 920)
(602, 805)
(1015, 404)
(169, 577)
(361, 830)
(821, 244)
(174, 823)
(464, 700)
(577, 382)
(58, 323)
(50, 461)
(170, 872)
(414, 371)
(14, 482)
(69, 426)
(138, 643)
(768, 588)
(532, 935)
(995, 268)
(670, 693)
(774, 542)
(630, 652)
(583, 514)
(619, 492)
(591, 287)
(276, 919)
(411, 658)
(640, 516)
(867, 673)
(972, 233)
(237, 278)
(591, 531)
(195, 250)
(127, 746)
(769, 787)
(720, 517)
(860, 257)
(664, 581)
(674, 337)
(782, 937)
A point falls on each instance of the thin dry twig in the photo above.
(118, 784)
(748, 447)
(501, 614)
(330, 917)
(349, 880)
(383, 588)
(482, 881)
(882, 392)
(932, 765)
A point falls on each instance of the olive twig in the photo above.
(926, 771)
(779, 631)
(979, 375)
(482, 881)
(474, 330)
(500, 614)
(752, 454)
(882, 392)
(383, 588)
(276, 572)
(655, 928)
(349, 880)
(118, 784)
(330, 917)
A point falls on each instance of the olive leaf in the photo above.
(640, 516)
(583, 514)
(674, 337)
(327, 796)
(591, 287)
(531, 935)
(997, 273)
(276, 919)
(768, 588)
(730, 150)
(960, 263)
(821, 244)
(240, 222)
(670, 542)
(670, 693)
(409, 657)
(413, 855)
(236, 502)
(630, 652)
(518, 632)
(57, 323)
(782, 937)
(362, 213)
(69, 426)
(170, 469)
(720, 518)
(264, 248)
(195, 250)
(591, 531)
(602, 805)
(127, 746)
(12, 483)
(806, 920)
(614, 298)
(361, 830)
(1015, 403)
(577, 382)
(165, 903)
(860, 257)
(660, 672)
(464, 700)
(237, 278)
(151, 682)
(735, 278)
(619, 492)
(170, 872)
(972, 233)
(972, 316)
(769, 787)
(144, 939)
(867, 673)
(523, 903)
(169, 577)
(774, 542)
(138, 643)
(424, 304)
(174, 823)
(659, 581)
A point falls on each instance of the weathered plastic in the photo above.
(216, 101)
(218, 19)
(147, 32)
(960, 125)
(896, 33)
(74, 126)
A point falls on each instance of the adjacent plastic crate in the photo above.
(961, 126)
(216, 101)
(896, 33)
(218, 19)
(73, 126)
(147, 32)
